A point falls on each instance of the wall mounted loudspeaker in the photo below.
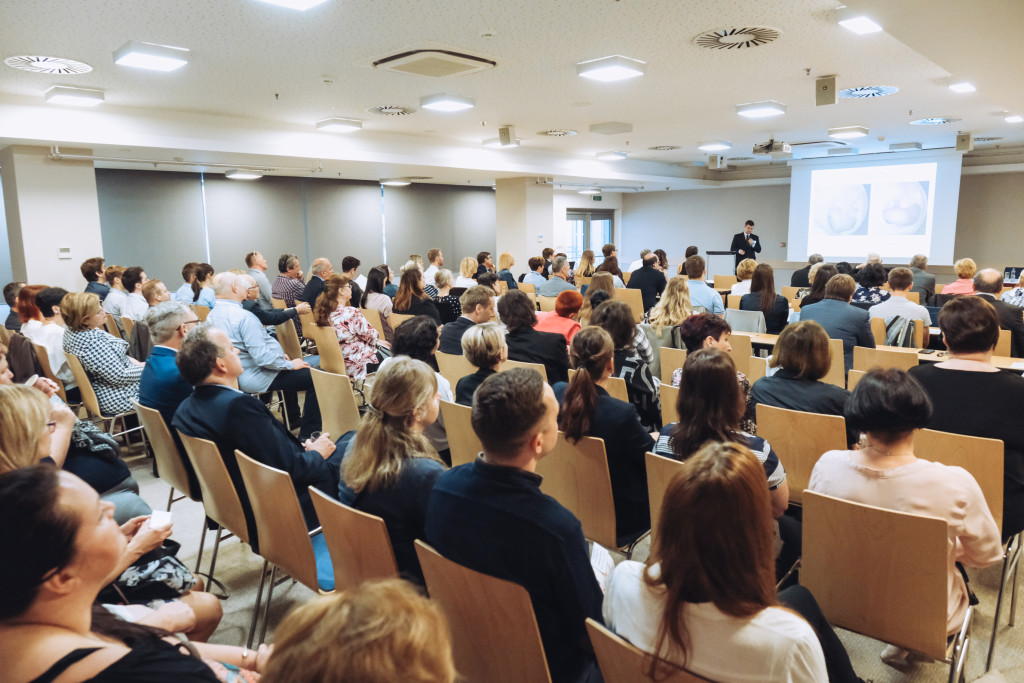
(716, 162)
(825, 91)
(505, 135)
(964, 142)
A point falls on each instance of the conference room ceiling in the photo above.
(260, 76)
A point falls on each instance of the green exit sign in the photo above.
(596, 197)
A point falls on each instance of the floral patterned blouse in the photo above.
(748, 423)
(1014, 296)
(871, 295)
(357, 338)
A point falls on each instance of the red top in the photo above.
(549, 321)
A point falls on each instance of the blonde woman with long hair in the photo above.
(585, 268)
(390, 466)
(505, 263)
(600, 282)
(674, 306)
(467, 269)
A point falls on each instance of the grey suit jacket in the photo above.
(924, 284)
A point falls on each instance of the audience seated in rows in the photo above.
(518, 314)
(802, 276)
(959, 386)
(889, 405)
(257, 265)
(154, 292)
(505, 263)
(50, 335)
(610, 265)
(390, 466)
(820, 274)
(899, 306)
(219, 412)
(515, 416)
(558, 281)
(562, 320)
(484, 264)
(319, 271)
(350, 269)
(135, 305)
(467, 271)
(412, 299)
(588, 410)
(448, 306)
(29, 315)
(203, 291)
(113, 374)
(184, 293)
(113, 303)
(924, 283)
(840, 319)
(477, 306)
(435, 258)
(534, 276)
(965, 269)
(649, 279)
(380, 632)
(418, 339)
(1015, 295)
(763, 298)
(706, 598)
(744, 272)
(375, 299)
(264, 364)
(95, 279)
(356, 336)
(288, 285)
(269, 317)
(616, 318)
(547, 253)
(700, 293)
(585, 266)
(484, 346)
(870, 281)
(988, 283)
(161, 386)
(600, 282)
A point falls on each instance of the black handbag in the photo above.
(157, 575)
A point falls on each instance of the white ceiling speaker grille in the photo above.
(434, 63)
(865, 91)
(48, 65)
(557, 133)
(391, 110)
(737, 38)
(935, 121)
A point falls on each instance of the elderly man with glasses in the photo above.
(161, 386)
(271, 316)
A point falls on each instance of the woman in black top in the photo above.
(484, 346)
(819, 276)
(412, 299)
(66, 544)
(763, 298)
(616, 318)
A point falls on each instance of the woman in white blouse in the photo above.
(467, 268)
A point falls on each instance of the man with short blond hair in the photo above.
(436, 260)
(257, 266)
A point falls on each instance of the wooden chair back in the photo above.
(623, 662)
(914, 297)
(288, 338)
(615, 386)
(795, 304)
(635, 299)
(494, 630)
(332, 359)
(670, 360)
(110, 325)
(462, 440)
(127, 324)
(5, 336)
(44, 362)
(939, 288)
(396, 319)
(373, 316)
(220, 499)
(742, 350)
(169, 460)
(453, 367)
(582, 281)
(800, 438)
(791, 292)
(279, 304)
(502, 287)
(1003, 345)
(725, 281)
(757, 368)
(982, 458)
(89, 400)
(509, 364)
(358, 542)
(878, 332)
(625, 278)
(837, 370)
(751, 322)
(306, 320)
(669, 395)
(576, 475)
(865, 358)
(284, 540)
(733, 301)
(529, 288)
(547, 303)
(203, 311)
(853, 378)
(660, 471)
(898, 597)
(337, 402)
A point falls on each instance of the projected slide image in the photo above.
(841, 209)
(899, 208)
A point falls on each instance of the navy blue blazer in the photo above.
(451, 335)
(161, 386)
(234, 420)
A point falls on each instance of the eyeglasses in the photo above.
(253, 287)
(190, 322)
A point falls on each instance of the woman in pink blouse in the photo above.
(357, 338)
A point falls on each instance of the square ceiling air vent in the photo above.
(434, 63)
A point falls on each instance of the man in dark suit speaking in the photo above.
(746, 244)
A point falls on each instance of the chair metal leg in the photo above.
(1011, 559)
(1013, 585)
(202, 542)
(266, 605)
(958, 660)
(256, 607)
(170, 499)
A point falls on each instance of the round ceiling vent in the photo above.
(735, 38)
(663, 148)
(935, 121)
(557, 133)
(864, 91)
(391, 110)
(48, 65)
(987, 139)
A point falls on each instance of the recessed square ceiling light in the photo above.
(590, 190)
(79, 97)
(611, 156)
(962, 87)
(301, 5)
(395, 182)
(714, 146)
(338, 125)
(614, 68)
(495, 143)
(857, 23)
(760, 110)
(1014, 118)
(243, 174)
(847, 132)
(445, 102)
(151, 56)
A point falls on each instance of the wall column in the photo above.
(49, 205)
(524, 211)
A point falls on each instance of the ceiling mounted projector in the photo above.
(772, 147)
